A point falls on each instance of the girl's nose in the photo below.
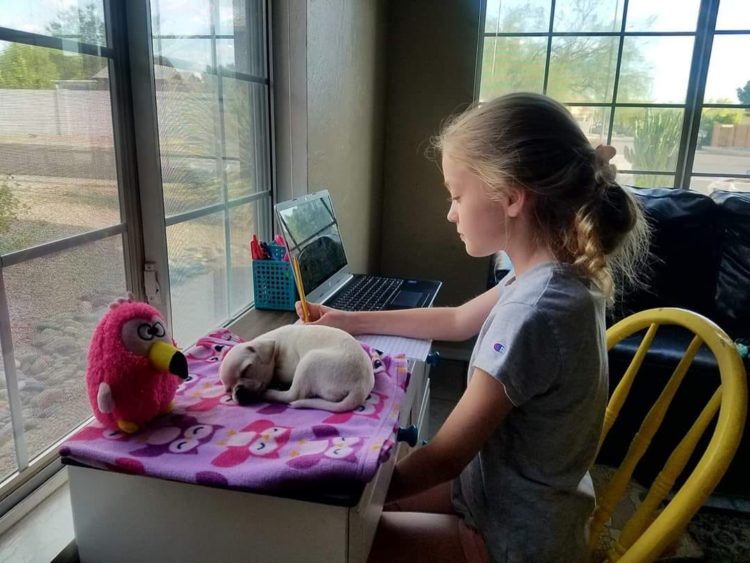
(452, 215)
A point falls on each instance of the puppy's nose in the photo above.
(244, 396)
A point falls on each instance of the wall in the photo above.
(432, 49)
(345, 105)
(370, 117)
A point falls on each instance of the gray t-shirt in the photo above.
(528, 490)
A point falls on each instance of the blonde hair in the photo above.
(584, 216)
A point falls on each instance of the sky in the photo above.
(669, 57)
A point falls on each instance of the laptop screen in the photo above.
(312, 235)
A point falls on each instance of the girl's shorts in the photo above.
(472, 543)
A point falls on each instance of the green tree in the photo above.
(85, 25)
(743, 94)
(25, 66)
(31, 67)
(581, 68)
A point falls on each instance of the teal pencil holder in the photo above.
(273, 285)
(277, 250)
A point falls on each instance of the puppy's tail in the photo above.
(349, 402)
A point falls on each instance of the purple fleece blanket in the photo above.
(210, 440)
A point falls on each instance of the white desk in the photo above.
(127, 518)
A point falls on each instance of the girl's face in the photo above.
(480, 221)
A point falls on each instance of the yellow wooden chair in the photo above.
(650, 530)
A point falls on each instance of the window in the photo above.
(666, 83)
(130, 133)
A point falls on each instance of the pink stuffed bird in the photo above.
(131, 362)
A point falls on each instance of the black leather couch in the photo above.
(700, 261)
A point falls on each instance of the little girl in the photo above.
(506, 477)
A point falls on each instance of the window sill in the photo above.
(254, 322)
(46, 530)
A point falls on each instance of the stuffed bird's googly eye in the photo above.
(149, 332)
(144, 331)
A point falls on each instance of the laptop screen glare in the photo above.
(312, 235)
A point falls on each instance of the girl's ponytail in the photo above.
(611, 234)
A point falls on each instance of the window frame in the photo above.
(694, 99)
(142, 223)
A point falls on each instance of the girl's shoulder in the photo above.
(548, 278)
(552, 290)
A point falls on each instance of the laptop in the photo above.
(310, 229)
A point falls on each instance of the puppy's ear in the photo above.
(264, 349)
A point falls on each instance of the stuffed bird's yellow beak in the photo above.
(166, 357)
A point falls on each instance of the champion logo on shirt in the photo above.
(499, 348)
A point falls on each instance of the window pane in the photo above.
(247, 132)
(645, 180)
(181, 60)
(664, 15)
(239, 40)
(517, 16)
(197, 276)
(577, 16)
(57, 160)
(72, 19)
(245, 51)
(234, 57)
(723, 142)
(243, 223)
(594, 123)
(189, 140)
(729, 69)
(198, 147)
(180, 17)
(55, 302)
(707, 184)
(7, 450)
(512, 64)
(647, 138)
(582, 69)
(655, 69)
(214, 139)
(733, 14)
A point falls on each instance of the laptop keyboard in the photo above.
(365, 293)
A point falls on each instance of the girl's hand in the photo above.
(322, 315)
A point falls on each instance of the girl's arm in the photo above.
(438, 323)
(481, 409)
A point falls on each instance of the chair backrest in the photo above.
(650, 530)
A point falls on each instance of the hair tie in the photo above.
(604, 153)
(604, 172)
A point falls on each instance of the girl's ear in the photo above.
(516, 200)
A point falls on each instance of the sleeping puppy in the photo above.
(324, 367)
